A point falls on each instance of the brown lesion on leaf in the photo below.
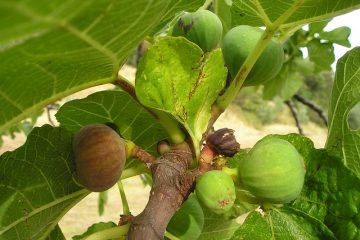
(200, 76)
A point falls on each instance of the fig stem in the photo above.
(171, 126)
(134, 171)
(110, 233)
(142, 155)
(170, 236)
(232, 172)
(125, 204)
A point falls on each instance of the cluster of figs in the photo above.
(272, 172)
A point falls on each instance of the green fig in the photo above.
(239, 42)
(216, 191)
(273, 171)
(201, 27)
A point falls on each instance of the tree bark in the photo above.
(172, 184)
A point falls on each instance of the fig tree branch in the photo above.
(295, 115)
(172, 185)
(313, 107)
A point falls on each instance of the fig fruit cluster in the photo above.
(100, 156)
(273, 171)
(205, 29)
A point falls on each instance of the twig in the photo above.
(313, 107)
(48, 108)
(295, 116)
(125, 85)
(143, 155)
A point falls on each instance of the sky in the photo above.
(351, 20)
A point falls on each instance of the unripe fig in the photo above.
(201, 27)
(239, 42)
(100, 156)
(216, 191)
(273, 171)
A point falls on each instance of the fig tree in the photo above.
(201, 27)
(239, 42)
(216, 191)
(273, 171)
(100, 156)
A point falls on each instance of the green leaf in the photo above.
(288, 13)
(276, 224)
(175, 76)
(56, 234)
(117, 107)
(285, 84)
(247, 231)
(50, 49)
(187, 223)
(317, 27)
(339, 35)
(95, 228)
(36, 184)
(342, 141)
(222, 10)
(322, 54)
(217, 227)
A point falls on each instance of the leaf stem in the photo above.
(117, 232)
(126, 208)
(171, 126)
(170, 236)
(206, 4)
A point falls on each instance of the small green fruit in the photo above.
(201, 27)
(239, 42)
(216, 191)
(273, 171)
(100, 156)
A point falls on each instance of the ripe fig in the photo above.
(100, 156)
(201, 27)
(273, 171)
(216, 191)
(239, 42)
